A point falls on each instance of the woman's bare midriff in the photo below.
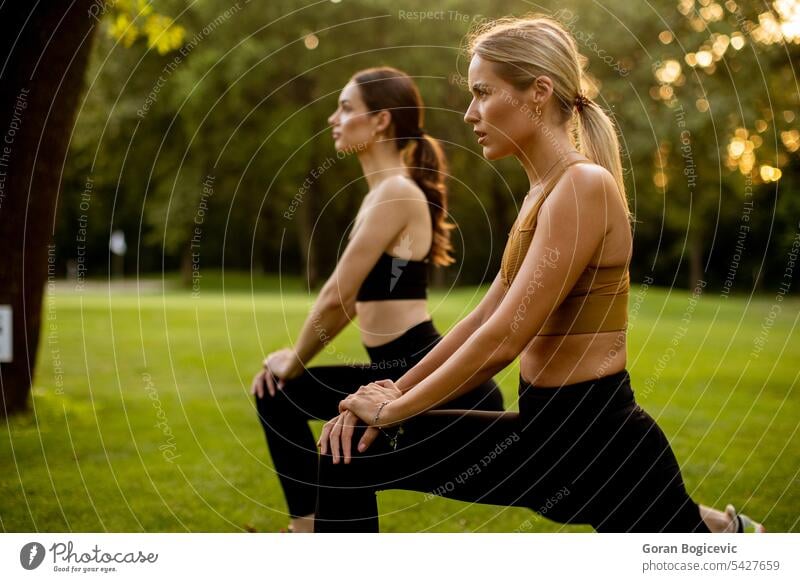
(550, 361)
(383, 321)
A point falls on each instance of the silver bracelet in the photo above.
(398, 432)
(380, 409)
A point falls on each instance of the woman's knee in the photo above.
(330, 474)
(280, 406)
(361, 463)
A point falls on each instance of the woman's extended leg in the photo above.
(466, 455)
(584, 453)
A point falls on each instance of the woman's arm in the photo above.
(329, 315)
(572, 224)
(454, 339)
(382, 222)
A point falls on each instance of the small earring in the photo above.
(538, 111)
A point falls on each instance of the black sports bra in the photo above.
(395, 278)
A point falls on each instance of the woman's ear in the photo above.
(383, 119)
(540, 91)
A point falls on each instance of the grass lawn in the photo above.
(91, 455)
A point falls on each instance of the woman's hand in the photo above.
(278, 367)
(338, 434)
(369, 400)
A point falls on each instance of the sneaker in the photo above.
(743, 523)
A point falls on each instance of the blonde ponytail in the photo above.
(599, 143)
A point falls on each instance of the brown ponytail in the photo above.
(428, 169)
(387, 88)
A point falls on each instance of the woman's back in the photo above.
(382, 318)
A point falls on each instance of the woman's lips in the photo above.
(481, 136)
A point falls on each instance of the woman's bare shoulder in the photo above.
(588, 183)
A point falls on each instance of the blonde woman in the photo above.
(580, 450)
(401, 229)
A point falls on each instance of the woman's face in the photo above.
(352, 126)
(501, 115)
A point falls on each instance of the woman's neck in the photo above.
(380, 161)
(541, 158)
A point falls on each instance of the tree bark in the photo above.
(695, 260)
(45, 52)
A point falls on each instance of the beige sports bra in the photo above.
(599, 300)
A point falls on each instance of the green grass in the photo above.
(87, 457)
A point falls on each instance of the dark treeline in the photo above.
(214, 151)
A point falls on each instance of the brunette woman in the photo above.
(381, 278)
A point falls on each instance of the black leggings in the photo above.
(315, 395)
(581, 453)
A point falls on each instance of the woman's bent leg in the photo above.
(314, 395)
(584, 453)
(619, 464)
(647, 493)
(464, 455)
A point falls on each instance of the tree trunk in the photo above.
(47, 47)
(695, 260)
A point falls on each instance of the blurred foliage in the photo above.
(236, 94)
(131, 19)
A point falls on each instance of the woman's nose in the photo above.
(470, 116)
